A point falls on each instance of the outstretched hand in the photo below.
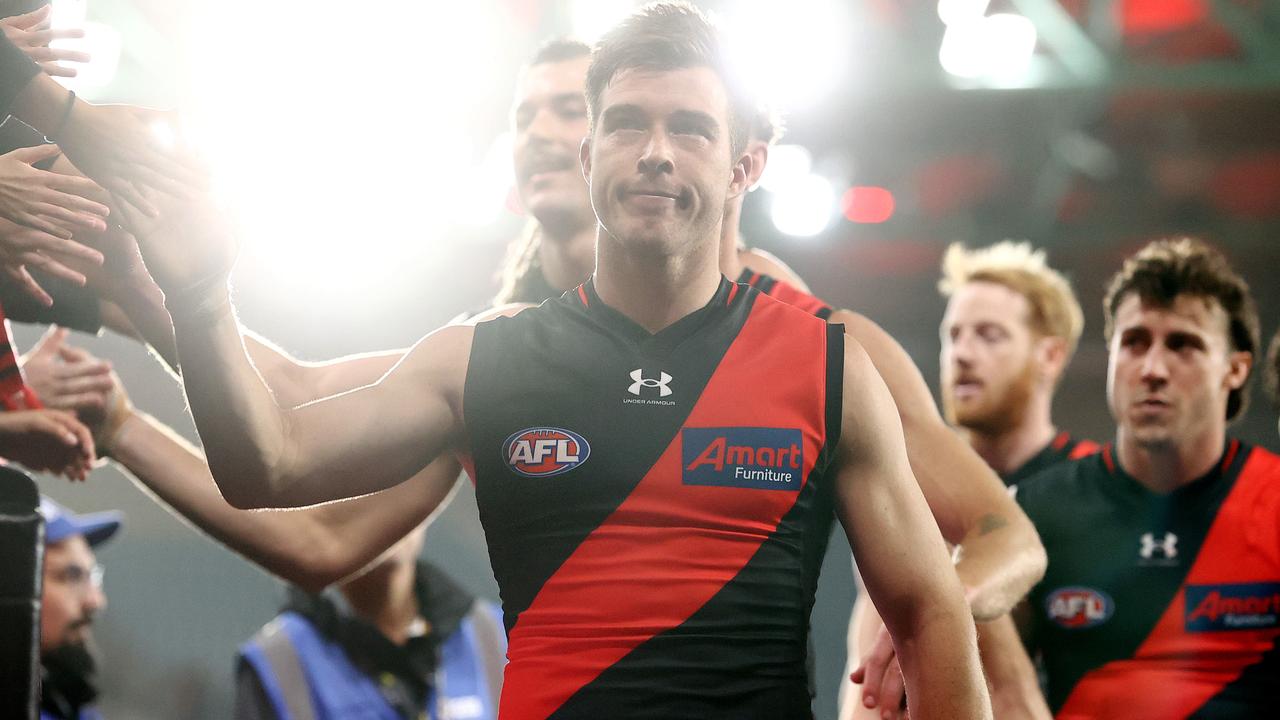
(66, 377)
(189, 247)
(51, 202)
(33, 33)
(47, 441)
(881, 678)
(124, 149)
(22, 247)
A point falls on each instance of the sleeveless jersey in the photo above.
(1062, 448)
(785, 292)
(1159, 606)
(650, 503)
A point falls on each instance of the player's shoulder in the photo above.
(1057, 488)
(1260, 477)
(506, 310)
(778, 309)
(766, 263)
(1262, 462)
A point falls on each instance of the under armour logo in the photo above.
(1168, 548)
(642, 381)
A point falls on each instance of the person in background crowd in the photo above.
(71, 597)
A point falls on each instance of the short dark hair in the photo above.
(1168, 268)
(558, 50)
(1273, 369)
(668, 36)
(767, 124)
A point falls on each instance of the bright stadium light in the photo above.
(69, 13)
(488, 185)
(787, 164)
(998, 47)
(591, 18)
(791, 53)
(804, 207)
(953, 12)
(103, 44)
(340, 170)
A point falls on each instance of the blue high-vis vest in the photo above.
(306, 676)
(85, 713)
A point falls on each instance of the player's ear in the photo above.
(584, 158)
(759, 158)
(1051, 354)
(1240, 363)
(740, 180)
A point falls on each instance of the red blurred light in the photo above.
(1161, 16)
(867, 204)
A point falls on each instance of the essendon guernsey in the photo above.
(785, 292)
(653, 503)
(1061, 448)
(1159, 606)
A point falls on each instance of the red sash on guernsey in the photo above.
(14, 392)
(1193, 653)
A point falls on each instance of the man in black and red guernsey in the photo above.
(650, 452)
(1162, 598)
(1001, 555)
(1011, 325)
(1009, 330)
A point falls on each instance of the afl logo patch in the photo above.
(1076, 608)
(544, 451)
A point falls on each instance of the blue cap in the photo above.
(60, 523)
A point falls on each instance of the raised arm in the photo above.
(310, 547)
(265, 455)
(901, 554)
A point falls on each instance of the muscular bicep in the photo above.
(962, 491)
(295, 382)
(379, 435)
(898, 547)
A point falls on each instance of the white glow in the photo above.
(959, 11)
(787, 164)
(103, 44)
(340, 170)
(488, 185)
(70, 13)
(592, 18)
(164, 134)
(791, 52)
(999, 46)
(804, 207)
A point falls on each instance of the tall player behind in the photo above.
(664, 154)
(1164, 572)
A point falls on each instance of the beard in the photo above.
(71, 674)
(997, 415)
